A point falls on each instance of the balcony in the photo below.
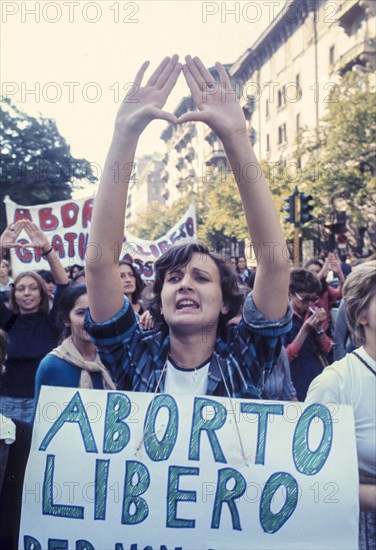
(189, 154)
(216, 157)
(362, 53)
(349, 11)
(164, 175)
(180, 163)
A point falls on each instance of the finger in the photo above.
(140, 75)
(223, 76)
(172, 79)
(193, 116)
(205, 74)
(158, 71)
(191, 81)
(201, 81)
(163, 115)
(167, 71)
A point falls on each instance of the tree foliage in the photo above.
(36, 166)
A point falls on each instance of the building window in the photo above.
(281, 98)
(331, 55)
(267, 108)
(267, 143)
(282, 134)
(298, 87)
(298, 122)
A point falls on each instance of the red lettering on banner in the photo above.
(139, 266)
(47, 220)
(82, 244)
(148, 269)
(142, 251)
(163, 246)
(190, 227)
(22, 214)
(154, 250)
(58, 245)
(70, 237)
(69, 214)
(87, 212)
(23, 254)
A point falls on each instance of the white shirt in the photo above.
(350, 382)
(7, 430)
(186, 381)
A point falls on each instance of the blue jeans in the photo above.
(18, 408)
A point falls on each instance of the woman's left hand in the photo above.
(37, 238)
(146, 321)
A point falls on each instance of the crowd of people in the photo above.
(269, 333)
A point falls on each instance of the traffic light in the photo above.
(290, 209)
(305, 208)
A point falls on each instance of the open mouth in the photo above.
(187, 304)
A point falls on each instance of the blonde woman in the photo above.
(352, 381)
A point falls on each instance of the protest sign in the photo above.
(144, 253)
(137, 471)
(66, 223)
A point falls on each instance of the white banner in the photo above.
(130, 471)
(66, 223)
(144, 253)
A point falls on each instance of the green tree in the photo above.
(36, 166)
(339, 159)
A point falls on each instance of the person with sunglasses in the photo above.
(307, 344)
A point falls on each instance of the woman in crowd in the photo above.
(132, 285)
(29, 323)
(352, 381)
(307, 344)
(75, 363)
(328, 295)
(5, 279)
(195, 292)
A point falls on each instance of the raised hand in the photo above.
(37, 238)
(216, 102)
(9, 237)
(144, 104)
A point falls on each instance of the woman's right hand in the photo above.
(8, 238)
(144, 104)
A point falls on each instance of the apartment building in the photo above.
(284, 81)
(146, 186)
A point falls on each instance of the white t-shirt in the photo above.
(186, 381)
(350, 382)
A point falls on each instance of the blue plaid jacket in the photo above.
(135, 358)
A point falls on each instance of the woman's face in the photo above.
(76, 319)
(27, 295)
(128, 279)
(75, 270)
(3, 270)
(192, 296)
(368, 320)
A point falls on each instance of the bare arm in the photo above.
(367, 497)
(107, 227)
(219, 109)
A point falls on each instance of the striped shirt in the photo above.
(239, 365)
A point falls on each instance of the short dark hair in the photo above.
(67, 301)
(46, 275)
(139, 282)
(179, 256)
(302, 280)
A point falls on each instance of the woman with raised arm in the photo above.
(195, 292)
(29, 323)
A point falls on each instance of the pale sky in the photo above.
(70, 60)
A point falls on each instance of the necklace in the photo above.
(364, 362)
